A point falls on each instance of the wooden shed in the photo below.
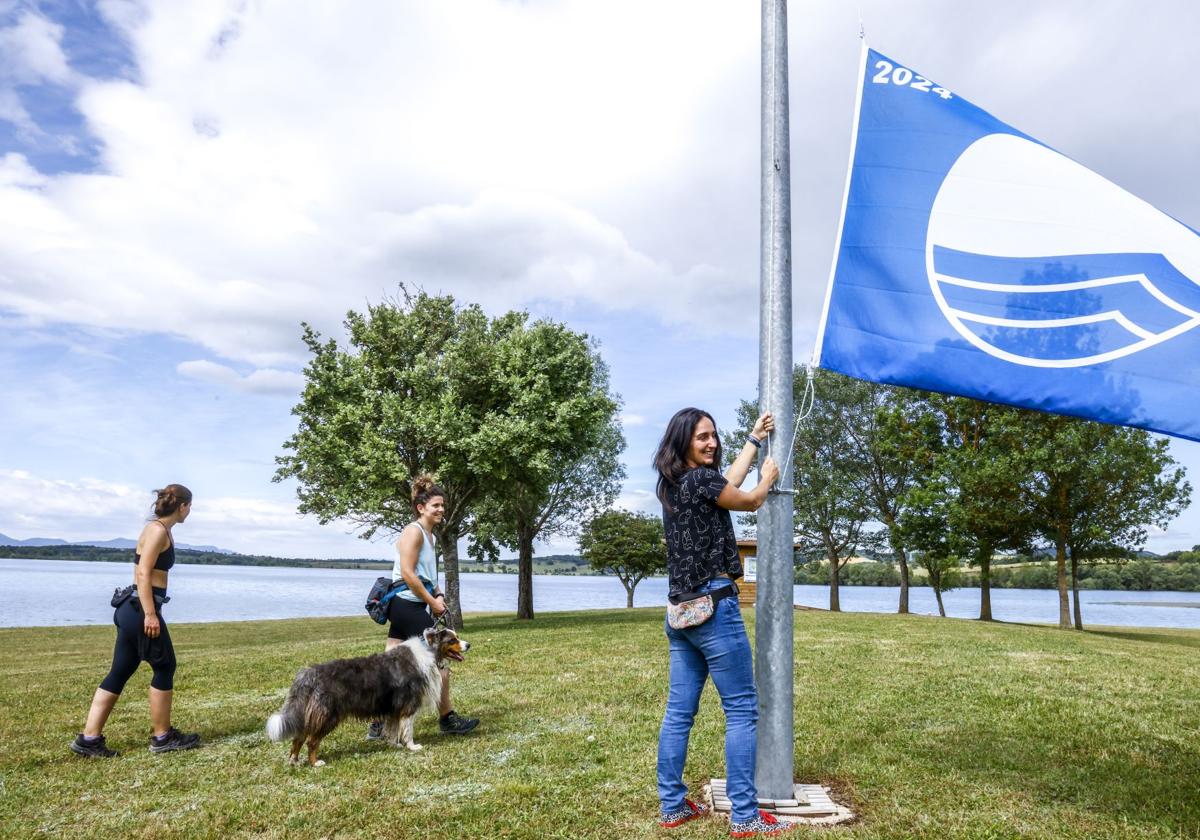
(748, 585)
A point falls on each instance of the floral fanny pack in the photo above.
(691, 610)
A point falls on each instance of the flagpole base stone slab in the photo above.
(810, 805)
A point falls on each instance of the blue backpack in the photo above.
(381, 594)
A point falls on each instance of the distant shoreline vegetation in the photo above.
(1178, 571)
(556, 564)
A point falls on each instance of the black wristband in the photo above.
(751, 439)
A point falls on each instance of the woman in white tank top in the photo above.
(425, 567)
(413, 610)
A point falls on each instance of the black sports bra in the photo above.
(166, 559)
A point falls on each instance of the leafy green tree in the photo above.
(942, 571)
(981, 464)
(925, 526)
(1095, 491)
(628, 545)
(408, 394)
(554, 458)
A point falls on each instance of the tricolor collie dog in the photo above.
(391, 687)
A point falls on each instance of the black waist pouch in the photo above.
(123, 594)
(132, 597)
(154, 650)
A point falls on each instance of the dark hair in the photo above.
(169, 499)
(671, 458)
(424, 489)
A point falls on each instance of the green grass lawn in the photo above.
(930, 728)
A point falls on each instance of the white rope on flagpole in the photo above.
(807, 401)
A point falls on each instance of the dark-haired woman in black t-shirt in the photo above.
(702, 557)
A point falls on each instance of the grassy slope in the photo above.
(933, 728)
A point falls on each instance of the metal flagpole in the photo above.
(773, 646)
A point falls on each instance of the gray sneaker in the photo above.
(173, 740)
(375, 730)
(455, 724)
(92, 747)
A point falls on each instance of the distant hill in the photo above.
(1049, 553)
(7, 540)
(119, 542)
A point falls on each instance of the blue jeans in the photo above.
(718, 647)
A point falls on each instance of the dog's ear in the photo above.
(431, 636)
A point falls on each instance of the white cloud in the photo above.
(15, 170)
(13, 110)
(631, 420)
(505, 249)
(268, 167)
(48, 507)
(262, 381)
(32, 55)
(639, 501)
(32, 51)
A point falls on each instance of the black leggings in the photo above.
(409, 618)
(133, 646)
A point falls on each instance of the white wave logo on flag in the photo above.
(1039, 261)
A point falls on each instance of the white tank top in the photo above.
(426, 565)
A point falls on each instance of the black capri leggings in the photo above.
(133, 646)
(408, 618)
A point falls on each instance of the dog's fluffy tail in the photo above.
(289, 721)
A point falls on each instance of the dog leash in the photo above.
(442, 622)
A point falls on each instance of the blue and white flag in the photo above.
(973, 260)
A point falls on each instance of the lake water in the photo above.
(67, 592)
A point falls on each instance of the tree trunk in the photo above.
(1075, 591)
(448, 542)
(984, 560)
(937, 593)
(902, 562)
(1064, 611)
(629, 587)
(835, 604)
(524, 574)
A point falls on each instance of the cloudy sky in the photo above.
(181, 184)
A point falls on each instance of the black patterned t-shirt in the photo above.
(700, 539)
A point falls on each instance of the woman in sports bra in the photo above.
(411, 612)
(142, 635)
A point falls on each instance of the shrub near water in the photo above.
(933, 728)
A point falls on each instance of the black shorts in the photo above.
(408, 618)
